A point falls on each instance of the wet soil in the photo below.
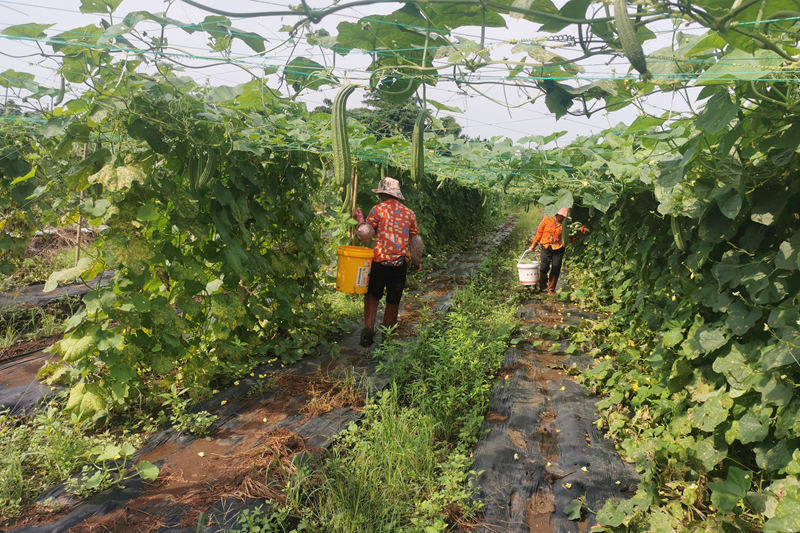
(268, 424)
(541, 449)
(27, 347)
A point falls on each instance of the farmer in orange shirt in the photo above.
(397, 241)
(549, 235)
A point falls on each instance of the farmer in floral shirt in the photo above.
(397, 241)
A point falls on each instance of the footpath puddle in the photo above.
(269, 424)
(542, 449)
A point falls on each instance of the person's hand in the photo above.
(358, 215)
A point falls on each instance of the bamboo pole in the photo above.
(354, 197)
(80, 220)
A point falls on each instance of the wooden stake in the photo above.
(354, 195)
(80, 220)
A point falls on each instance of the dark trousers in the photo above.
(550, 261)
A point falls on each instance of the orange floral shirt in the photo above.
(549, 233)
(394, 225)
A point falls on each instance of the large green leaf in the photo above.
(787, 257)
(779, 354)
(708, 453)
(729, 201)
(717, 114)
(709, 338)
(558, 98)
(449, 16)
(601, 200)
(726, 494)
(773, 390)
(99, 6)
(734, 367)
(615, 513)
(12, 78)
(575, 9)
(773, 456)
(712, 412)
(741, 318)
(768, 204)
(753, 428)
(786, 518)
(147, 470)
(30, 29)
(302, 72)
(77, 40)
(68, 274)
(741, 65)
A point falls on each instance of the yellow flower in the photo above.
(201, 454)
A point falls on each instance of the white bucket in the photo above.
(528, 272)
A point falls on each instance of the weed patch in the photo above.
(47, 449)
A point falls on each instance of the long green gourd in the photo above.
(418, 148)
(676, 233)
(342, 163)
(627, 37)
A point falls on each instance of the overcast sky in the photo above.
(481, 116)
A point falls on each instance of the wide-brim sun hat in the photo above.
(564, 212)
(391, 187)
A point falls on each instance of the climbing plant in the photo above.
(212, 197)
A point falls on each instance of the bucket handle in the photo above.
(523, 255)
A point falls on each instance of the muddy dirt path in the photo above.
(542, 448)
(269, 423)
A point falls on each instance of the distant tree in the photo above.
(327, 103)
(384, 119)
(450, 126)
(10, 108)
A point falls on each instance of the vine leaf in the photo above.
(302, 72)
(573, 508)
(31, 30)
(99, 6)
(741, 65)
(718, 113)
(68, 274)
(726, 494)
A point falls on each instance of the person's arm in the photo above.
(364, 231)
(538, 237)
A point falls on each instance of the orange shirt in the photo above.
(394, 225)
(549, 233)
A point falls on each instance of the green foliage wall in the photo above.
(707, 344)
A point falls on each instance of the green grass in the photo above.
(36, 269)
(19, 324)
(39, 452)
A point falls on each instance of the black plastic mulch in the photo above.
(542, 449)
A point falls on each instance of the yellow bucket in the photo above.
(352, 270)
